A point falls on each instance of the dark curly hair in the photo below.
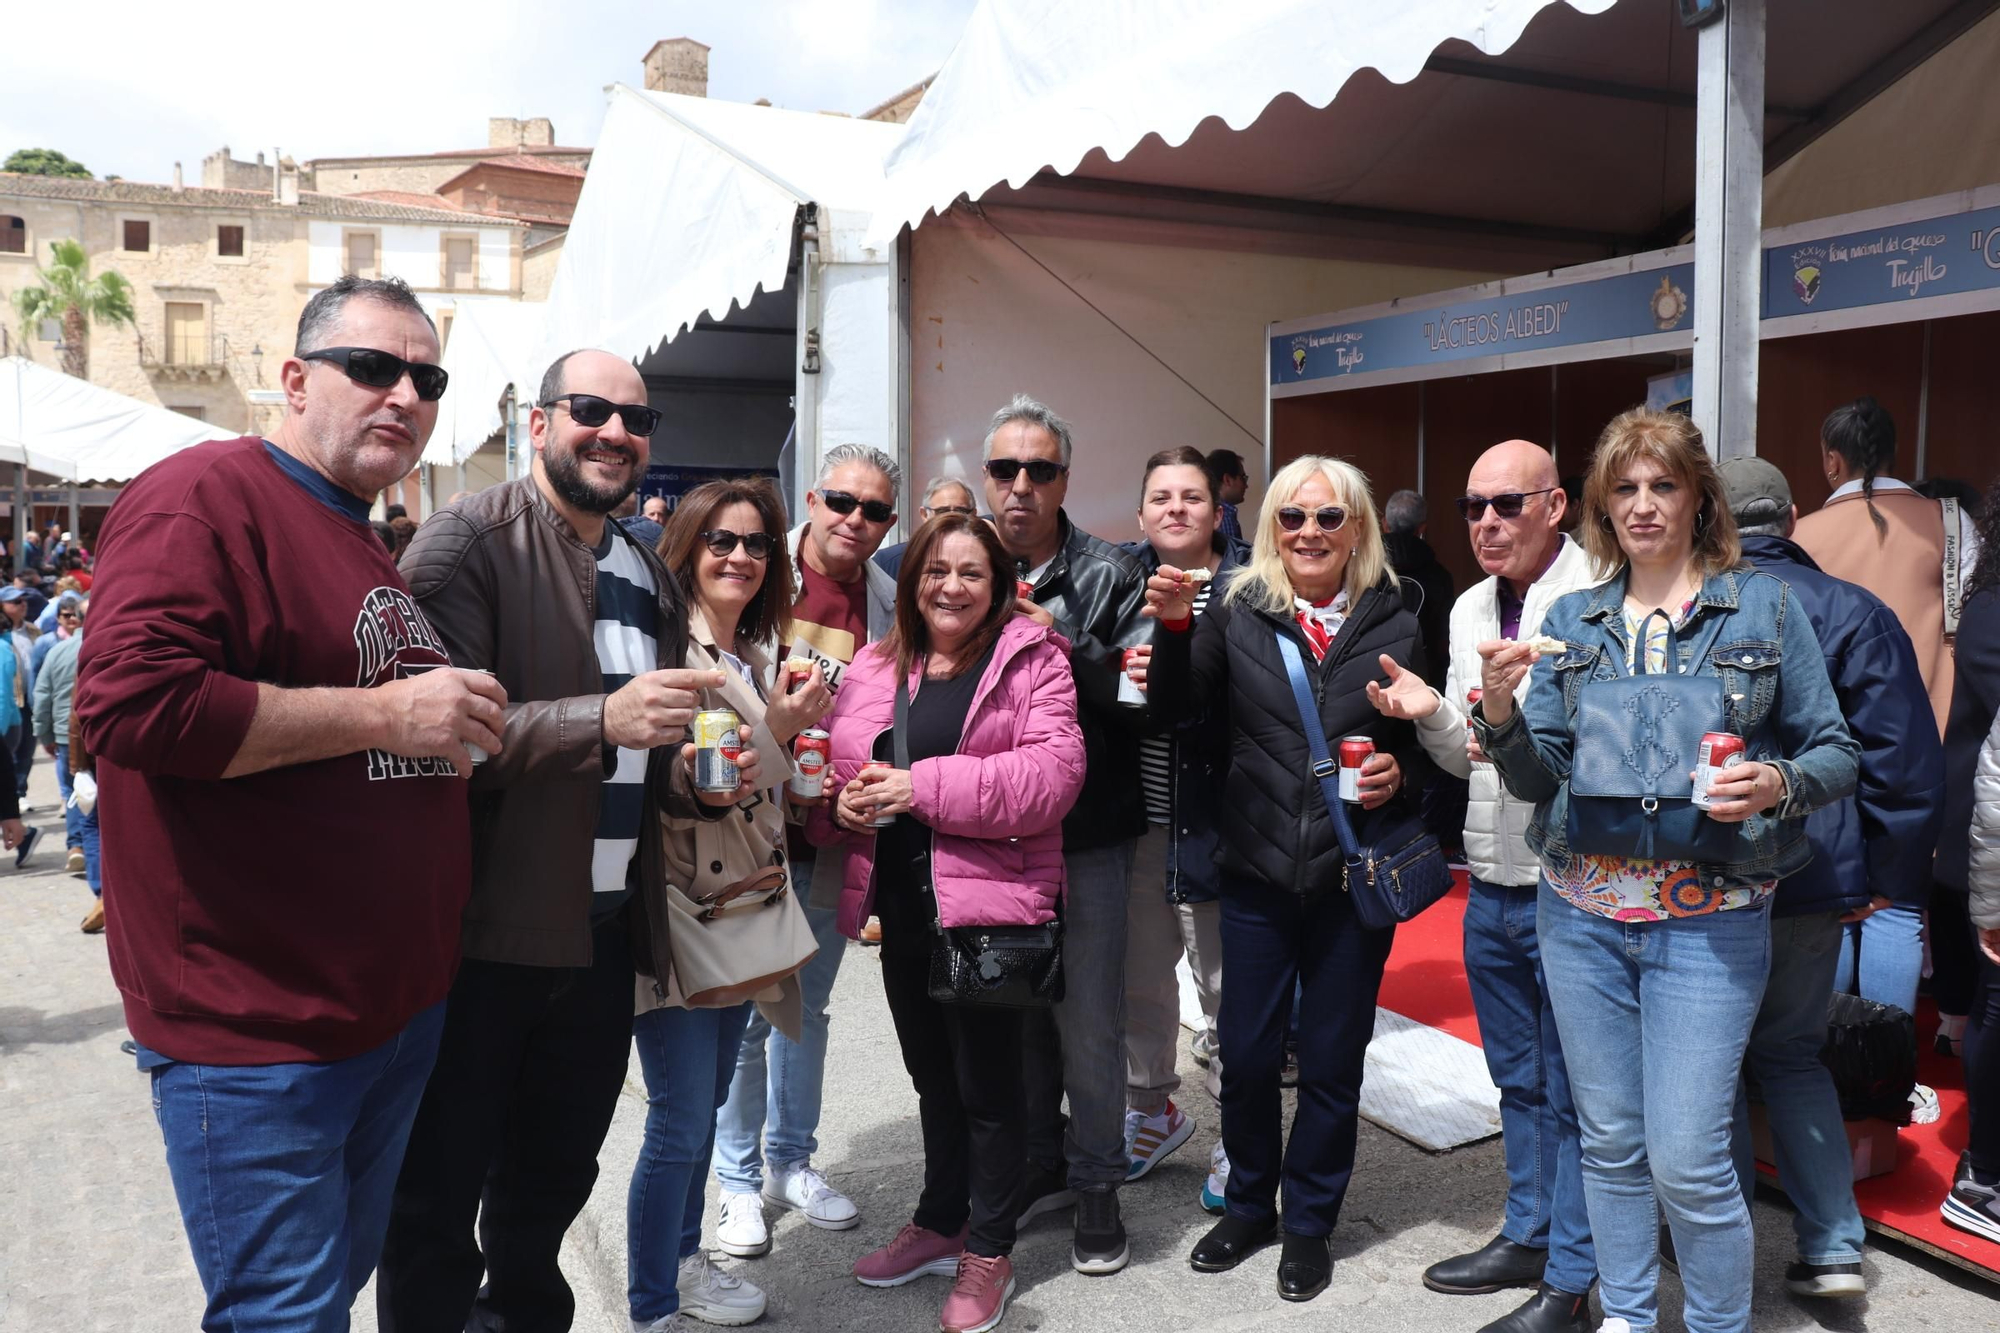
(1986, 569)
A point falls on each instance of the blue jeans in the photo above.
(81, 829)
(284, 1174)
(1538, 1130)
(780, 1078)
(1814, 1163)
(1655, 1017)
(1273, 942)
(1882, 957)
(689, 1056)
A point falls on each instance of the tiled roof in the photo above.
(531, 150)
(402, 208)
(522, 162)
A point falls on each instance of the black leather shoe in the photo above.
(1305, 1268)
(1547, 1311)
(1495, 1266)
(1229, 1242)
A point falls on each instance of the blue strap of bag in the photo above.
(1323, 765)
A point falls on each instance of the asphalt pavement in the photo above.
(92, 1239)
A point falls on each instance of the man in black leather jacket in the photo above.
(1090, 591)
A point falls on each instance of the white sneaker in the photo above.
(741, 1231)
(1215, 1189)
(716, 1297)
(805, 1191)
(1924, 1108)
(1150, 1139)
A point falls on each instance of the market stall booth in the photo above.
(1900, 303)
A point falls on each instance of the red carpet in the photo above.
(1426, 982)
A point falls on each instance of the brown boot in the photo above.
(93, 921)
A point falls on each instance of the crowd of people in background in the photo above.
(45, 601)
(653, 773)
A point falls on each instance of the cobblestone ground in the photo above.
(92, 1240)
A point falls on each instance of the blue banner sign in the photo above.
(673, 481)
(1943, 256)
(1627, 305)
(1882, 265)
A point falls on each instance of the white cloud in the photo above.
(158, 86)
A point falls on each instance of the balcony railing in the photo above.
(185, 355)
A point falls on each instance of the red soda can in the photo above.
(798, 670)
(1472, 698)
(1719, 750)
(1129, 694)
(1024, 590)
(1354, 752)
(810, 753)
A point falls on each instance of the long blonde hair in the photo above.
(1263, 582)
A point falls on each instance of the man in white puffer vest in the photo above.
(1513, 508)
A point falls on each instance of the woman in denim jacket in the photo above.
(1656, 967)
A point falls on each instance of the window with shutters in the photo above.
(229, 241)
(361, 258)
(461, 271)
(13, 235)
(138, 234)
(187, 334)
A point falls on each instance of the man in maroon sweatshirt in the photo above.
(284, 813)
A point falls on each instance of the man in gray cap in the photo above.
(1864, 891)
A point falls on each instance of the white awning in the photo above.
(73, 429)
(1037, 84)
(493, 344)
(691, 204)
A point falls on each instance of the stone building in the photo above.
(219, 275)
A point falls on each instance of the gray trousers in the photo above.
(1078, 1046)
(1157, 934)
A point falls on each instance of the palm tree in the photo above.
(67, 292)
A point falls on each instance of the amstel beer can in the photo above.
(1354, 752)
(810, 755)
(1719, 750)
(717, 743)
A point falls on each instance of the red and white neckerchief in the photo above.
(1321, 621)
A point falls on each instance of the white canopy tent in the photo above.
(71, 428)
(694, 211)
(494, 345)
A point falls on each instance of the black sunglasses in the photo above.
(1473, 507)
(1040, 470)
(380, 370)
(840, 502)
(721, 541)
(588, 410)
(1329, 517)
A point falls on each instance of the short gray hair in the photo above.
(1405, 513)
(322, 312)
(939, 483)
(1023, 408)
(861, 453)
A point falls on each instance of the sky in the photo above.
(137, 92)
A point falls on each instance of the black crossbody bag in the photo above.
(1009, 967)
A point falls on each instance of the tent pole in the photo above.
(75, 511)
(20, 511)
(1728, 225)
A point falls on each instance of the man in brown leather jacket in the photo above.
(532, 581)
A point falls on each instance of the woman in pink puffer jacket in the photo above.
(974, 838)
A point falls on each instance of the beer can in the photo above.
(881, 821)
(476, 753)
(1024, 590)
(1472, 698)
(1354, 752)
(810, 755)
(1719, 750)
(798, 670)
(1129, 692)
(716, 746)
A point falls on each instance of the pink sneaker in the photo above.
(980, 1296)
(915, 1252)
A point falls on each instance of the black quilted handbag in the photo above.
(1010, 967)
